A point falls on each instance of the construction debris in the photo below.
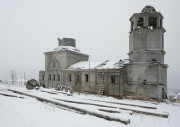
(64, 88)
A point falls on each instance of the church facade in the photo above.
(143, 74)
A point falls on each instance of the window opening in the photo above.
(58, 77)
(42, 77)
(153, 22)
(86, 78)
(113, 79)
(49, 77)
(160, 22)
(132, 25)
(70, 78)
(140, 22)
(54, 77)
(77, 78)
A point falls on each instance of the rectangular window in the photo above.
(77, 78)
(54, 77)
(140, 22)
(42, 77)
(70, 78)
(86, 78)
(153, 22)
(132, 25)
(113, 79)
(49, 77)
(58, 77)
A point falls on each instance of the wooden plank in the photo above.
(75, 108)
(141, 106)
(165, 115)
(8, 95)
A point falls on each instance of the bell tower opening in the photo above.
(146, 40)
(132, 25)
(152, 23)
(140, 22)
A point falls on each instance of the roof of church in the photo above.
(147, 10)
(70, 48)
(107, 64)
(66, 48)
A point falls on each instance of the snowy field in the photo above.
(20, 109)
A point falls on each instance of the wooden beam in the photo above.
(75, 108)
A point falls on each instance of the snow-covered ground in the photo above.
(18, 110)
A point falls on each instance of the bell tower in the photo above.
(146, 40)
(147, 73)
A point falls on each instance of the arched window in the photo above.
(152, 22)
(54, 64)
(140, 22)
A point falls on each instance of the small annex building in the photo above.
(143, 74)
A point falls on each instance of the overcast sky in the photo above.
(28, 28)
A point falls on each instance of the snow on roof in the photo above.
(108, 64)
(70, 48)
(63, 48)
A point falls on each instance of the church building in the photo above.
(142, 75)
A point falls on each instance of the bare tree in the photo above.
(13, 76)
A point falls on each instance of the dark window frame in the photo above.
(140, 22)
(113, 79)
(49, 77)
(70, 77)
(43, 77)
(54, 77)
(132, 25)
(86, 77)
(58, 76)
(152, 22)
(77, 78)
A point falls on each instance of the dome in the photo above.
(149, 9)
